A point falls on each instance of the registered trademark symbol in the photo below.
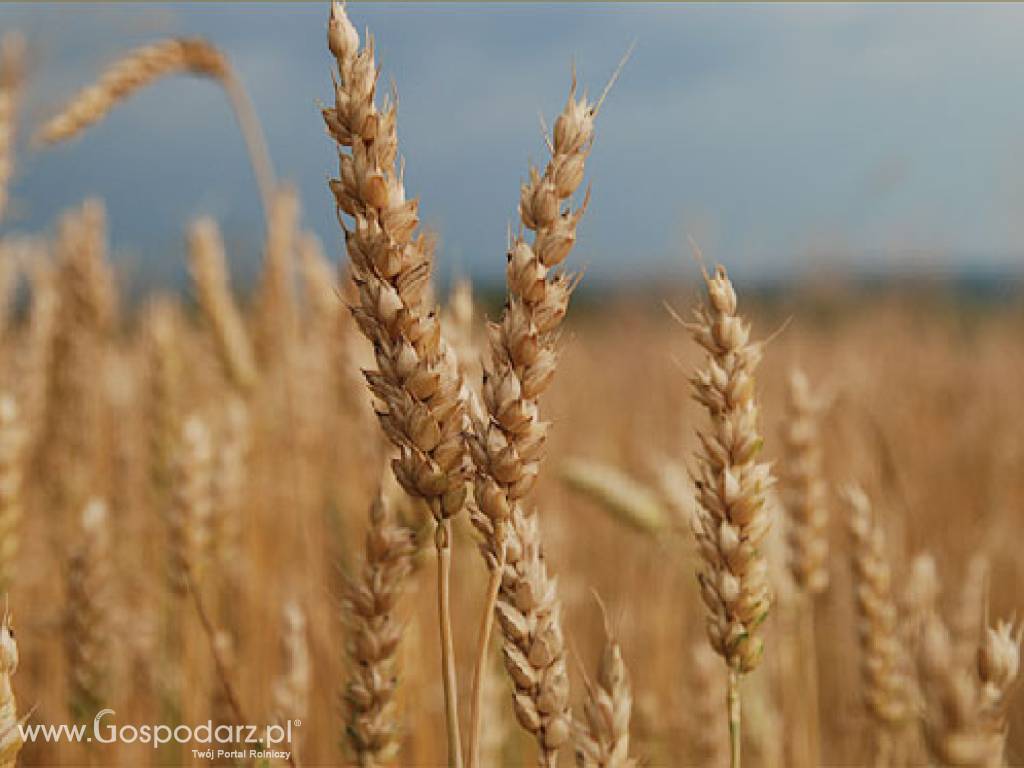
(296, 723)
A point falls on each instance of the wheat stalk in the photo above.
(208, 267)
(507, 440)
(805, 489)
(190, 514)
(884, 662)
(144, 66)
(10, 733)
(602, 738)
(86, 633)
(12, 75)
(373, 638)
(966, 722)
(417, 381)
(12, 452)
(292, 688)
(732, 518)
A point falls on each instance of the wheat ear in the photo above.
(144, 66)
(12, 452)
(731, 518)
(208, 267)
(417, 381)
(88, 591)
(12, 75)
(292, 688)
(507, 440)
(602, 737)
(884, 661)
(10, 732)
(373, 637)
(189, 516)
(805, 492)
(966, 716)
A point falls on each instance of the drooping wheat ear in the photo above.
(372, 727)
(804, 487)
(189, 516)
(884, 660)
(731, 519)
(144, 66)
(507, 440)
(164, 396)
(416, 382)
(709, 726)
(210, 278)
(602, 738)
(230, 482)
(12, 75)
(10, 733)
(292, 687)
(12, 447)
(625, 499)
(276, 310)
(88, 593)
(966, 717)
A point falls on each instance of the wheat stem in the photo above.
(483, 641)
(442, 540)
(733, 706)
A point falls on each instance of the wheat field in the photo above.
(386, 521)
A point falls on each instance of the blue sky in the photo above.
(781, 137)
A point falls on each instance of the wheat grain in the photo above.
(292, 689)
(373, 637)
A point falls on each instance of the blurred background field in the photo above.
(822, 153)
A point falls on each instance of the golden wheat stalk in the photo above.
(416, 382)
(144, 66)
(732, 517)
(374, 635)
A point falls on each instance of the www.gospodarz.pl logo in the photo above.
(218, 741)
